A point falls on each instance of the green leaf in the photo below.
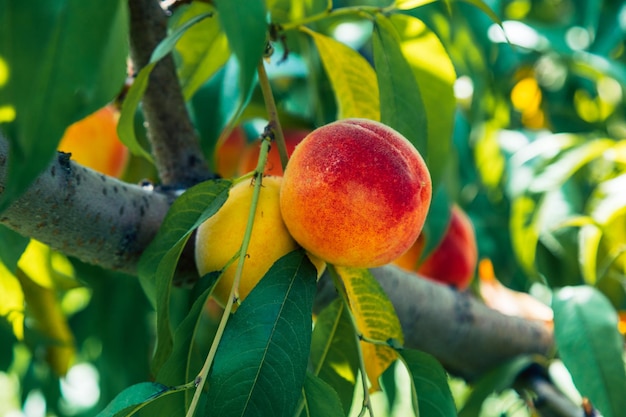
(401, 105)
(12, 245)
(133, 398)
(158, 263)
(496, 380)
(591, 347)
(176, 369)
(434, 72)
(260, 364)
(568, 163)
(320, 399)
(334, 351)
(375, 319)
(126, 123)
(352, 78)
(430, 382)
(203, 49)
(65, 59)
(246, 29)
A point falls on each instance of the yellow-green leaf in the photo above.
(376, 320)
(353, 79)
(12, 301)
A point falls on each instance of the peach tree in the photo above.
(516, 107)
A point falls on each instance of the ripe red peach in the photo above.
(273, 165)
(93, 142)
(355, 193)
(454, 260)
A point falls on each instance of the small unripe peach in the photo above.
(355, 193)
(454, 260)
(219, 238)
(93, 142)
(273, 165)
(228, 153)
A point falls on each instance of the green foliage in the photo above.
(586, 333)
(71, 65)
(524, 131)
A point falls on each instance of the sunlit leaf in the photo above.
(376, 320)
(260, 364)
(401, 105)
(12, 301)
(333, 351)
(203, 49)
(71, 65)
(525, 231)
(591, 347)
(353, 79)
(45, 311)
(319, 399)
(158, 262)
(430, 382)
(435, 75)
(560, 170)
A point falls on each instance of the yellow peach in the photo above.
(219, 238)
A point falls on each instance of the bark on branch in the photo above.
(85, 214)
(175, 145)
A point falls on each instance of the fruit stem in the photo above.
(272, 112)
(234, 291)
(367, 404)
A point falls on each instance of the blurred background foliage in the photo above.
(537, 160)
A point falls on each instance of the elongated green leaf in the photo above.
(591, 347)
(494, 381)
(430, 381)
(133, 398)
(12, 245)
(562, 169)
(176, 369)
(63, 60)
(203, 48)
(376, 320)
(260, 364)
(334, 351)
(320, 399)
(401, 105)
(351, 76)
(246, 29)
(434, 72)
(126, 123)
(158, 263)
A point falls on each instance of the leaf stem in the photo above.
(367, 403)
(234, 291)
(272, 112)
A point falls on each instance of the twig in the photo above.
(175, 146)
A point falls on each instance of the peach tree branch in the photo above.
(85, 214)
(175, 145)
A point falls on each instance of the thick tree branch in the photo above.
(466, 336)
(175, 145)
(85, 214)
